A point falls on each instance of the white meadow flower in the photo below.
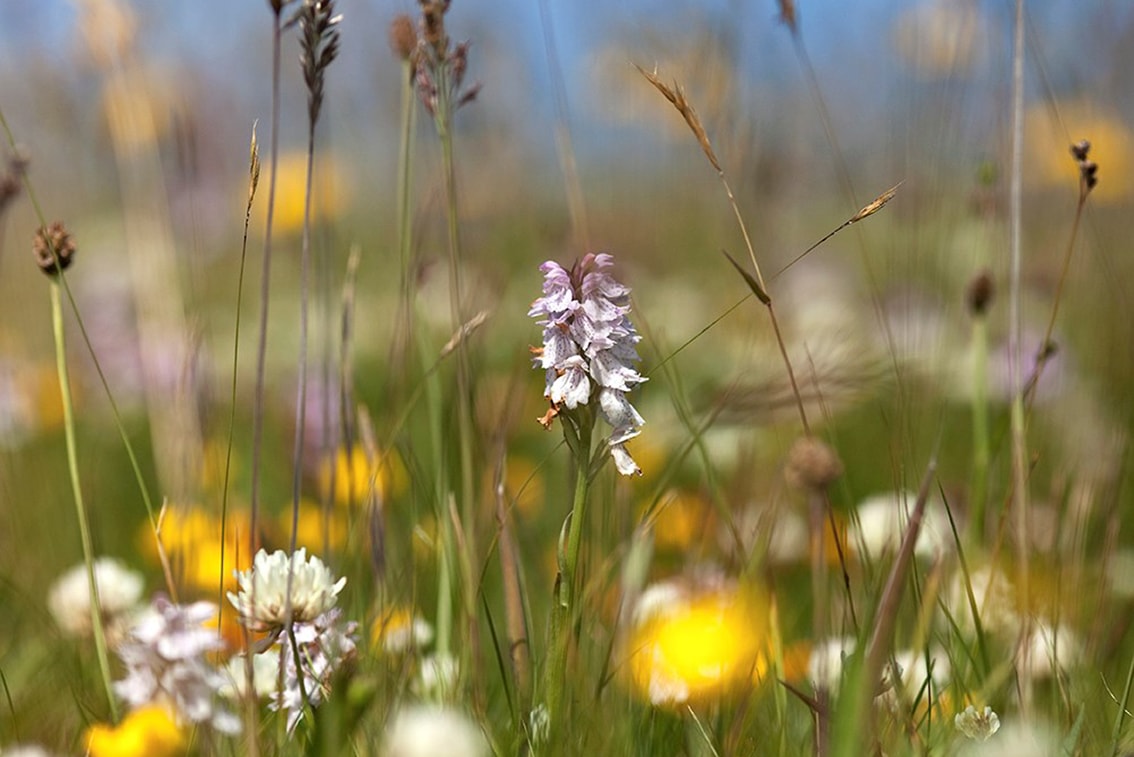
(119, 590)
(265, 675)
(978, 725)
(164, 654)
(539, 725)
(589, 348)
(437, 678)
(1017, 739)
(882, 521)
(24, 750)
(1050, 648)
(995, 601)
(827, 660)
(263, 598)
(401, 630)
(431, 731)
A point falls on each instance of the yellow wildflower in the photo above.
(400, 629)
(1048, 161)
(699, 648)
(354, 473)
(192, 542)
(680, 520)
(145, 732)
(316, 529)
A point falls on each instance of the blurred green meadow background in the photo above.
(425, 478)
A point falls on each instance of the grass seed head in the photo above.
(54, 248)
(812, 465)
(979, 293)
(403, 37)
(676, 97)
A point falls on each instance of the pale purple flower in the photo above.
(324, 645)
(589, 347)
(164, 655)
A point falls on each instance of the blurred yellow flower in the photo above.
(1047, 158)
(700, 647)
(192, 542)
(353, 474)
(681, 519)
(328, 192)
(315, 529)
(145, 732)
(399, 629)
(523, 484)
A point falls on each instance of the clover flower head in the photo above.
(588, 349)
(164, 655)
(978, 725)
(292, 682)
(324, 645)
(263, 599)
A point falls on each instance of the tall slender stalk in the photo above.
(77, 492)
(562, 614)
(252, 712)
(1015, 329)
(265, 282)
(405, 187)
(440, 72)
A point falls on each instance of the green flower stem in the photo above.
(405, 184)
(981, 453)
(569, 588)
(77, 490)
(444, 120)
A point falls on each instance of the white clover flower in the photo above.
(589, 342)
(437, 678)
(430, 731)
(978, 725)
(164, 654)
(119, 590)
(263, 598)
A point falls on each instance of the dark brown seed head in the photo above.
(979, 294)
(433, 26)
(812, 465)
(1080, 149)
(54, 248)
(403, 37)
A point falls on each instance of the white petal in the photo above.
(622, 460)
